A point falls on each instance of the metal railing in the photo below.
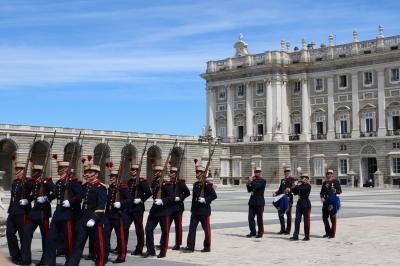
(368, 134)
(395, 132)
(343, 135)
(257, 138)
(318, 136)
(294, 137)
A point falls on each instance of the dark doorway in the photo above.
(73, 148)
(396, 122)
(240, 132)
(176, 157)
(368, 168)
(100, 157)
(39, 153)
(8, 149)
(153, 159)
(260, 129)
(128, 157)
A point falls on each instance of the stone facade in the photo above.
(336, 106)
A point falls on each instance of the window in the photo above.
(367, 78)
(396, 165)
(240, 90)
(260, 89)
(259, 103)
(343, 81)
(318, 84)
(236, 168)
(396, 145)
(260, 129)
(343, 127)
(343, 147)
(224, 168)
(240, 132)
(297, 128)
(396, 122)
(343, 166)
(395, 75)
(221, 93)
(239, 106)
(221, 107)
(319, 167)
(297, 86)
(369, 125)
(222, 132)
(320, 128)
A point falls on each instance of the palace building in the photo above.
(335, 106)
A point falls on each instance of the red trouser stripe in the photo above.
(334, 224)
(262, 221)
(309, 220)
(122, 236)
(69, 237)
(167, 234)
(46, 227)
(209, 230)
(101, 244)
(25, 219)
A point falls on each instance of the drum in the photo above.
(281, 203)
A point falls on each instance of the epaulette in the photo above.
(102, 184)
(74, 178)
(123, 186)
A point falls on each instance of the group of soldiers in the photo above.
(283, 201)
(92, 210)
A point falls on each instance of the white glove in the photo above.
(90, 223)
(117, 204)
(177, 199)
(66, 204)
(23, 202)
(137, 201)
(41, 199)
(202, 200)
(158, 202)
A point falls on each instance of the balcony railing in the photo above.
(318, 136)
(368, 134)
(395, 132)
(257, 138)
(343, 135)
(239, 140)
(294, 137)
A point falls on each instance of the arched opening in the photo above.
(176, 156)
(101, 155)
(368, 165)
(73, 148)
(8, 148)
(39, 153)
(129, 153)
(153, 158)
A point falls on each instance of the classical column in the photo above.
(249, 111)
(229, 111)
(381, 103)
(331, 111)
(277, 108)
(305, 111)
(285, 113)
(211, 109)
(355, 132)
(269, 117)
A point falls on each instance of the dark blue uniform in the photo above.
(38, 216)
(61, 225)
(93, 208)
(285, 187)
(256, 205)
(177, 208)
(159, 214)
(329, 190)
(303, 208)
(117, 218)
(135, 211)
(17, 216)
(201, 212)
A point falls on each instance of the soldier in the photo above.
(285, 187)
(203, 195)
(256, 186)
(118, 199)
(18, 212)
(68, 193)
(41, 194)
(181, 193)
(163, 196)
(330, 203)
(92, 217)
(303, 207)
(140, 191)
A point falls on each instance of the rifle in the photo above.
(203, 177)
(121, 169)
(140, 167)
(178, 173)
(42, 188)
(164, 172)
(23, 194)
(71, 161)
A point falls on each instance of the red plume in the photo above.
(111, 164)
(30, 159)
(13, 157)
(170, 163)
(83, 160)
(55, 156)
(195, 161)
(130, 158)
(89, 157)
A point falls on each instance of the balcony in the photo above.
(368, 134)
(343, 135)
(239, 140)
(294, 137)
(395, 132)
(257, 138)
(318, 136)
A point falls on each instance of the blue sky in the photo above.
(135, 65)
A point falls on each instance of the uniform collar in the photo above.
(94, 182)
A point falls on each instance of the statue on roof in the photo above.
(241, 46)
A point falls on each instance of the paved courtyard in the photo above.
(368, 234)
